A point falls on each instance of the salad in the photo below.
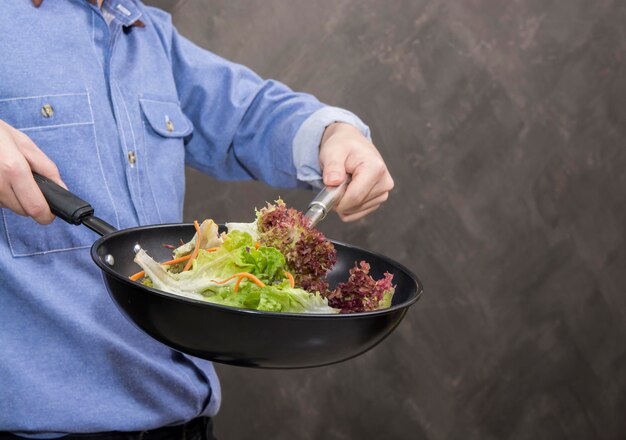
(277, 263)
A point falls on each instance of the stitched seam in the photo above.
(148, 167)
(125, 148)
(127, 115)
(132, 132)
(121, 129)
(43, 127)
(6, 228)
(52, 251)
(106, 185)
(17, 254)
(124, 134)
(41, 96)
(160, 101)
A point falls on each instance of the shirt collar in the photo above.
(125, 11)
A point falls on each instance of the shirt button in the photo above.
(132, 157)
(47, 111)
(169, 126)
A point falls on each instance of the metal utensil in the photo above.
(325, 201)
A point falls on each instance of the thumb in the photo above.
(333, 167)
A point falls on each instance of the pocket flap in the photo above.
(34, 112)
(166, 118)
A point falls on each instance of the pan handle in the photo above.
(69, 207)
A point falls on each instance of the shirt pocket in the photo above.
(165, 129)
(62, 126)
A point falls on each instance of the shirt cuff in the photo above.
(306, 143)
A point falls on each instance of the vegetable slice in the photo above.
(194, 254)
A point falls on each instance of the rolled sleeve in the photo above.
(309, 136)
(244, 125)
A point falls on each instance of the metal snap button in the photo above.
(132, 157)
(169, 126)
(47, 111)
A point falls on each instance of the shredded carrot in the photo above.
(257, 245)
(254, 279)
(138, 275)
(176, 260)
(292, 282)
(251, 277)
(236, 288)
(141, 274)
(226, 279)
(190, 257)
(194, 254)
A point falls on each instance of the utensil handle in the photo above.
(325, 201)
(69, 207)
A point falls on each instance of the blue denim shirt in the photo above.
(121, 110)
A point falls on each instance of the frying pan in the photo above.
(225, 334)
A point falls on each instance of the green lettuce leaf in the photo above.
(237, 254)
(273, 298)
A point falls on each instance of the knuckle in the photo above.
(20, 138)
(381, 168)
(378, 168)
(357, 143)
(390, 184)
(51, 169)
(23, 143)
(12, 169)
(39, 211)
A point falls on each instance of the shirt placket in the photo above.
(129, 140)
(124, 15)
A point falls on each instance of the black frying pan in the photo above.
(225, 334)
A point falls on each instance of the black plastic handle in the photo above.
(63, 203)
(69, 207)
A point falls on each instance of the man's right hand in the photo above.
(19, 156)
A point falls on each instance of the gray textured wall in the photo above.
(503, 124)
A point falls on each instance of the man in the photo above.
(106, 98)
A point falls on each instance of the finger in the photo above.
(376, 201)
(358, 215)
(9, 201)
(368, 182)
(37, 159)
(20, 192)
(30, 197)
(378, 194)
(23, 184)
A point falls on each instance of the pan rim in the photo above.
(249, 312)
